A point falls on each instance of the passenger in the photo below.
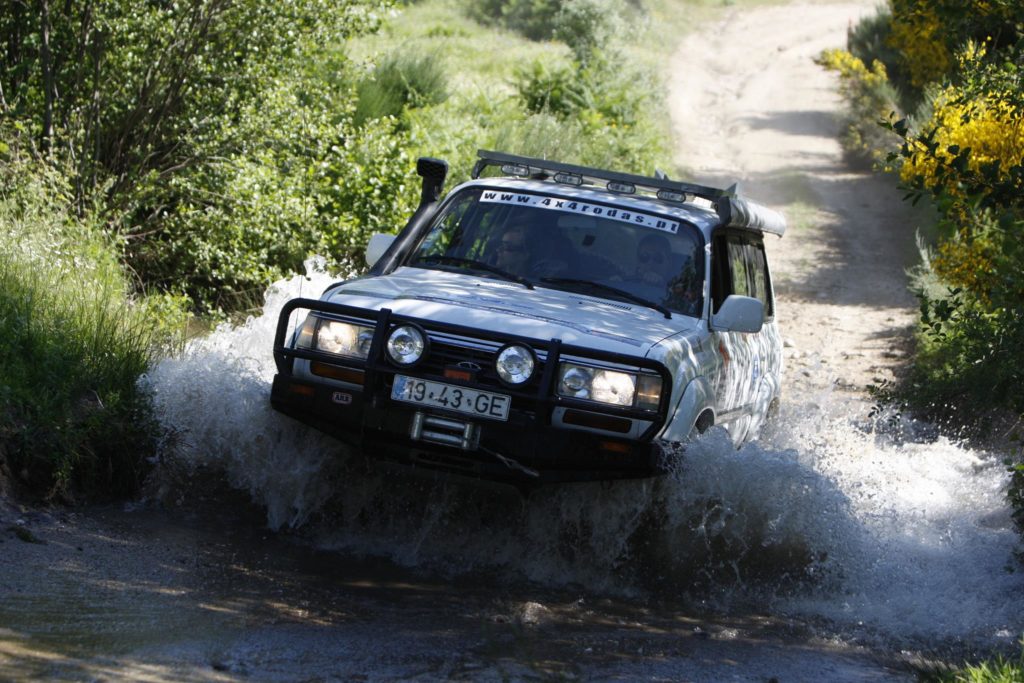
(654, 261)
(664, 276)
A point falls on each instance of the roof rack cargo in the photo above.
(733, 211)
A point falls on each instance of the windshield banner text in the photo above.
(572, 206)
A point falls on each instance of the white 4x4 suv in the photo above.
(560, 323)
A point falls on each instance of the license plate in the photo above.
(451, 397)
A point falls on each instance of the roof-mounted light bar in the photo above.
(732, 210)
(568, 178)
(515, 169)
(597, 175)
(672, 196)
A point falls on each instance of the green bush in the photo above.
(400, 80)
(72, 418)
(302, 178)
(871, 41)
(561, 89)
(534, 19)
(870, 98)
(587, 26)
(199, 130)
(598, 94)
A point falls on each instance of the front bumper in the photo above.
(536, 444)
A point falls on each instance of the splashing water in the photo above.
(877, 536)
(214, 400)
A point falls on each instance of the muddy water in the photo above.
(835, 548)
(877, 526)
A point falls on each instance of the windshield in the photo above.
(562, 243)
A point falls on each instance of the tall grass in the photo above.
(484, 67)
(998, 669)
(400, 80)
(73, 422)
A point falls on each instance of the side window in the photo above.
(741, 280)
(740, 267)
(757, 273)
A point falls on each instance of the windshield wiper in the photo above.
(475, 265)
(608, 289)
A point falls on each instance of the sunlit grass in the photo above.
(998, 669)
(482, 64)
(75, 343)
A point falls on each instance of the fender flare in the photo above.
(697, 398)
(768, 394)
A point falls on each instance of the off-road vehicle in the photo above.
(548, 322)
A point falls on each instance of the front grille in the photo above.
(446, 351)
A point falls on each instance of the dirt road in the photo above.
(750, 105)
(203, 593)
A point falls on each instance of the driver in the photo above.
(528, 250)
(515, 250)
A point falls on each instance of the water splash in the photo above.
(827, 518)
(214, 401)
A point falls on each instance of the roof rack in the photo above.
(732, 210)
(624, 183)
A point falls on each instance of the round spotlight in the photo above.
(515, 364)
(406, 345)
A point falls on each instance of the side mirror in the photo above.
(739, 314)
(378, 244)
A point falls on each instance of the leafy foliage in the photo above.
(400, 80)
(72, 419)
(870, 97)
(560, 90)
(969, 160)
(211, 132)
(532, 18)
(926, 35)
(960, 66)
(586, 26)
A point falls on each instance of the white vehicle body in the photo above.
(717, 351)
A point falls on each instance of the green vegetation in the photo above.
(401, 80)
(999, 669)
(960, 146)
(503, 64)
(955, 72)
(72, 418)
(214, 139)
(158, 158)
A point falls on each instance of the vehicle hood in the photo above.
(487, 303)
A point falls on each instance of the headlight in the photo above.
(609, 386)
(334, 336)
(515, 364)
(406, 345)
(648, 392)
(344, 339)
(304, 335)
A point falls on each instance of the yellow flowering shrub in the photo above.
(968, 262)
(918, 35)
(852, 70)
(991, 127)
(870, 96)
